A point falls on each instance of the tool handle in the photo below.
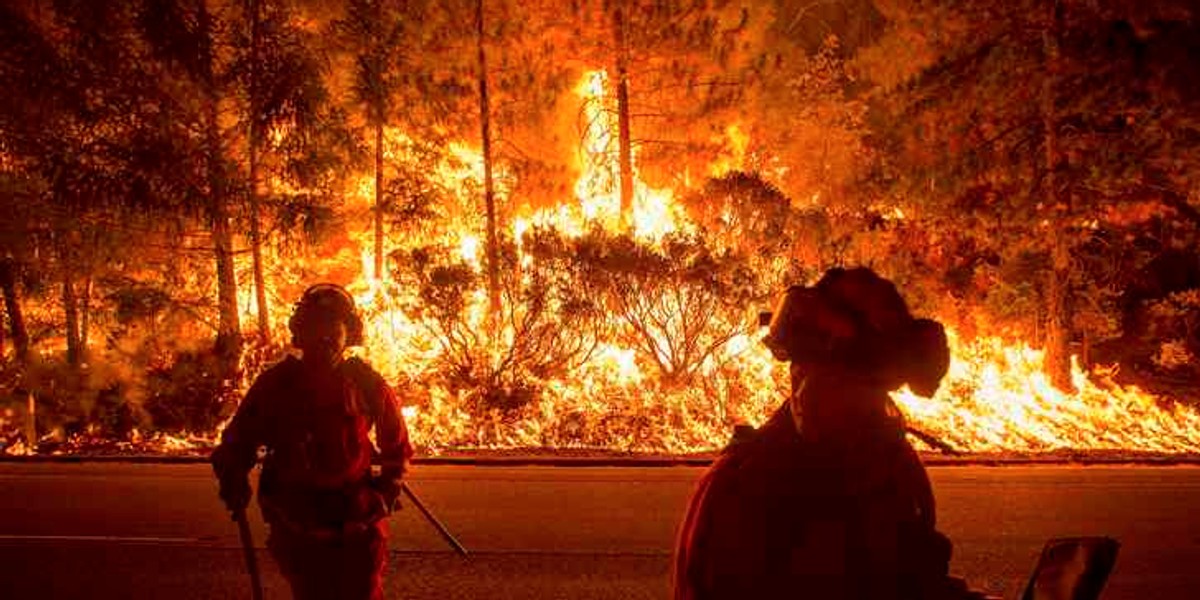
(433, 520)
(243, 525)
(934, 441)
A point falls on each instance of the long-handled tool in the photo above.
(433, 520)
(934, 441)
(256, 588)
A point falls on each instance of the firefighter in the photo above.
(324, 507)
(827, 499)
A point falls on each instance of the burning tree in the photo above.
(675, 72)
(246, 111)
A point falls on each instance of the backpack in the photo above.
(321, 434)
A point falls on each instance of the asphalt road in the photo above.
(157, 531)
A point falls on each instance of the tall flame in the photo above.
(994, 399)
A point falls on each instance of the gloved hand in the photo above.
(389, 490)
(235, 493)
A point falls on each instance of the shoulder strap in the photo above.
(276, 382)
(369, 382)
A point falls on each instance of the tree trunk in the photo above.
(71, 308)
(380, 118)
(85, 311)
(624, 143)
(12, 306)
(1058, 353)
(379, 201)
(260, 285)
(3, 354)
(489, 198)
(228, 346)
(229, 334)
(1085, 353)
(1058, 358)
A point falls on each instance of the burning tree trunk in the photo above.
(379, 200)
(379, 116)
(85, 310)
(186, 39)
(624, 144)
(1058, 361)
(67, 264)
(260, 291)
(12, 306)
(489, 197)
(255, 95)
(1058, 356)
(229, 332)
(376, 33)
(229, 335)
(71, 308)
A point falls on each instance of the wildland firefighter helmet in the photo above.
(327, 300)
(856, 319)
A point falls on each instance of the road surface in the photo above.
(104, 530)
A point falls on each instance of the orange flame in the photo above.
(994, 399)
(998, 398)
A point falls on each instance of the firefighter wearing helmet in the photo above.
(827, 499)
(324, 506)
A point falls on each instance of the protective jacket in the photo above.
(781, 515)
(318, 455)
(316, 491)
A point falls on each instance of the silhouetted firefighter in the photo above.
(827, 499)
(324, 507)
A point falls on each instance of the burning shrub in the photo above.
(79, 406)
(546, 325)
(1176, 321)
(1173, 354)
(188, 394)
(744, 213)
(678, 303)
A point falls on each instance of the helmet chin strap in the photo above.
(794, 403)
(321, 364)
(844, 384)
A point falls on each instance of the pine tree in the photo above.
(1031, 128)
(676, 72)
(77, 164)
(378, 34)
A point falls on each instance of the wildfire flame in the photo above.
(998, 398)
(995, 398)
